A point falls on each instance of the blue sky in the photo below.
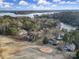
(39, 4)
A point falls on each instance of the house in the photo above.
(53, 41)
(69, 47)
(60, 35)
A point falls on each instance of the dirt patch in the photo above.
(9, 46)
(11, 49)
(46, 50)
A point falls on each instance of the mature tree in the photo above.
(72, 37)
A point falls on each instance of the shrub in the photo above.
(77, 55)
(45, 40)
(12, 31)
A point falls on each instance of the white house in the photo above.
(69, 47)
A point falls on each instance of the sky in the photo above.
(39, 4)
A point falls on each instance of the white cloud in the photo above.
(62, 2)
(54, 5)
(43, 2)
(1, 0)
(68, 2)
(70, 8)
(23, 3)
(56, 0)
(41, 7)
(34, 6)
(65, 2)
(7, 6)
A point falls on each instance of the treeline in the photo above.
(71, 18)
(11, 25)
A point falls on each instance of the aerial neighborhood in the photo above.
(43, 32)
